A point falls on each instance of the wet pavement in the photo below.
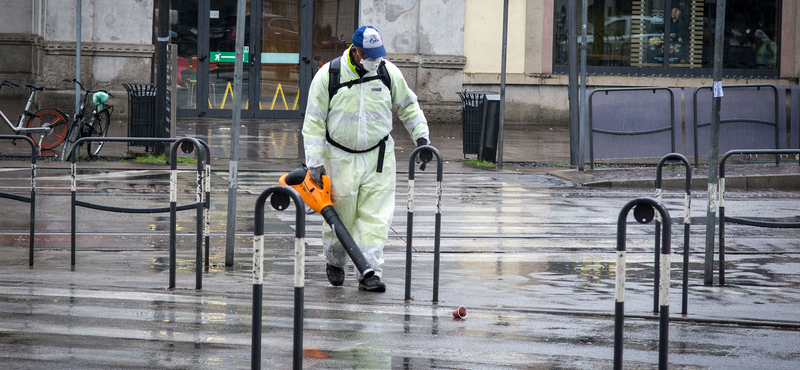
(529, 251)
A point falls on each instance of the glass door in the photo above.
(217, 69)
(271, 73)
(277, 69)
(278, 50)
(334, 25)
(184, 32)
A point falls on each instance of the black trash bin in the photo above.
(476, 117)
(471, 119)
(141, 112)
(490, 129)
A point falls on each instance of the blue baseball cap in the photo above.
(368, 38)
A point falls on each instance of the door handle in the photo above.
(202, 57)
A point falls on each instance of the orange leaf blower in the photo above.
(319, 199)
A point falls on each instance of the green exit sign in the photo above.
(228, 56)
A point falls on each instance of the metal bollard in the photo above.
(207, 205)
(687, 221)
(33, 205)
(206, 202)
(73, 199)
(643, 211)
(173, 207)
(280, 201)
(438, 220)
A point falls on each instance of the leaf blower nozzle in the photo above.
(319, 199)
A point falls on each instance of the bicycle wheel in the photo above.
(56, 122)
(99, 128)
(72, 136)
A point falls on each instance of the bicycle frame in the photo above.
(99, 108)
(25, 130)
(83, 123)
(80, 114)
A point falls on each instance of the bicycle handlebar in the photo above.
(77, 82)
(85, 89)
(7, 83)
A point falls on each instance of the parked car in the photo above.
(222, 34)
(279, 34)
(620, 36)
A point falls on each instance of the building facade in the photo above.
(441, 46)
(625, 46)
(37, 46)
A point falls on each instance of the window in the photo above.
(628, 37)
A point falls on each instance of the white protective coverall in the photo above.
(358, 118)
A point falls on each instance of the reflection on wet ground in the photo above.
(258, 139)
(263, 140)
(277, 139)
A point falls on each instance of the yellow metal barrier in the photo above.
(278, 90)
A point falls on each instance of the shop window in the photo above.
(672, 36)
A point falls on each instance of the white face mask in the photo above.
(371, 64)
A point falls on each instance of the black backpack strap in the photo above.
(381, 145)
(334, 71)
(333, 74)
(384, 76)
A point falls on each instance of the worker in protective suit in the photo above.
(347, 136)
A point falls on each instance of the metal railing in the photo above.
(739, 220)
(687, 221)
(281, 195)
(592, 130)
(730, 120)
(201, 203)
(32, 198)
(438, 219)
(643, 211)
